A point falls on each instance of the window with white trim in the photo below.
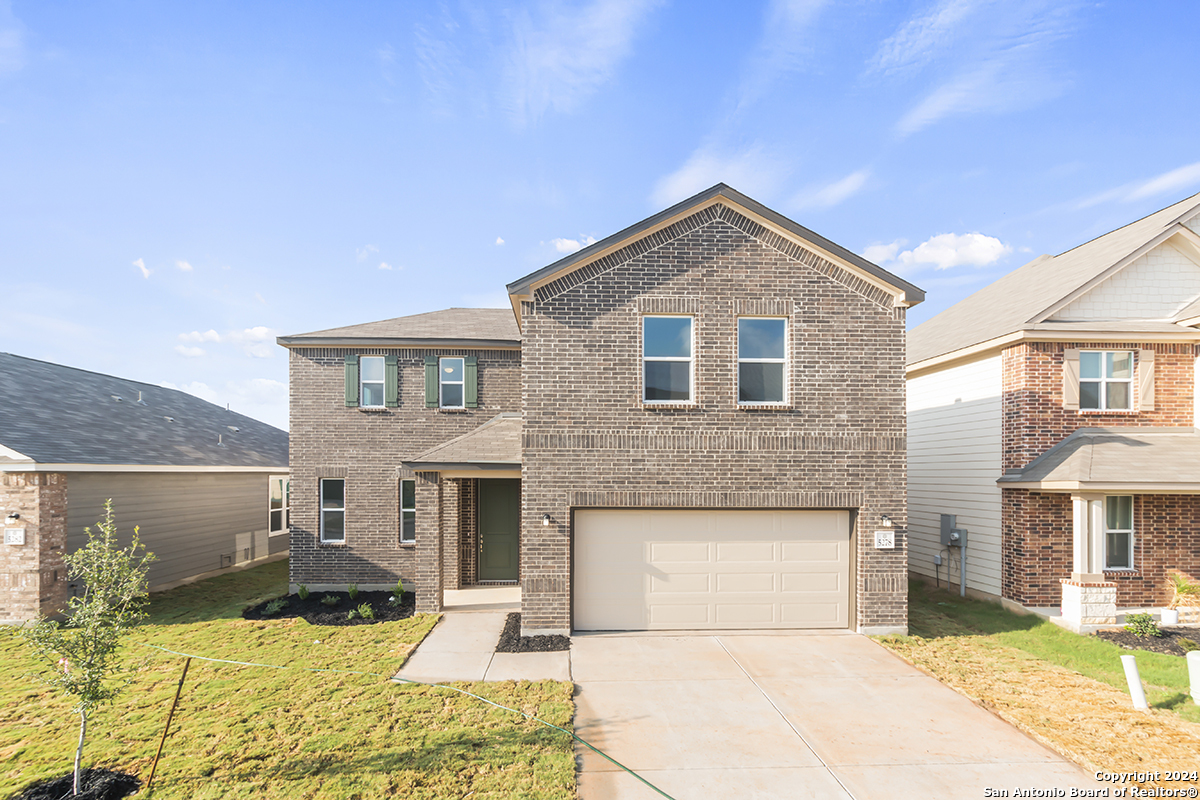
(370, 381)
(762, 360)
(408, 511)
(333, 510)
(1118, 532)
(450, 382)
(667, 364)
(1106, 380)
(279, 490)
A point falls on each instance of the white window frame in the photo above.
(443, 382)
(1104, 380)
(285, 491)
(1130, 530)
(691, 360)
(784, 361)
(405, 509)
(321, 509)
(362, 383)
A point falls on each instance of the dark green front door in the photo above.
(499, 526)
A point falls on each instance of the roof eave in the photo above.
(1126, 487)
(444, 466)
(389, 341)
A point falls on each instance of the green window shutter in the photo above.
(471, 381)
(431, 382)
(391, 381)
(352, 381)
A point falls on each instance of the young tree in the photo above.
(82, 650)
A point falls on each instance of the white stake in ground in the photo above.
(1135, 683)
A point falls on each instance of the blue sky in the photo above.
(180, 183)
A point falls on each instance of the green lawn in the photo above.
(255, 732)
(936, 614)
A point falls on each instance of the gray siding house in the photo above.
(695, 423)
(208, 487)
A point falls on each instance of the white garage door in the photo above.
(683, 570)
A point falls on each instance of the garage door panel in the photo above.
(666, 569)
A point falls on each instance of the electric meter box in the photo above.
(952, 535)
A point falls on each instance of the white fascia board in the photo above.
(1103, 488)
(34, 467)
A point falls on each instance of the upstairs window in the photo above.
(1118, 532)
(408, 511)
(371, 381)
(667, 359)
(762, 360)
(280, 486)
(451, 382)
(333, 510)
(1106, 380)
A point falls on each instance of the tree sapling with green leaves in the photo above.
(82, 651)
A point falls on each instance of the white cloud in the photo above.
(366, 251)
(12, 45)
(260, 298)
(189, 352)
(882, 253)
(571, 245)
(385, 265)
(499, 241)
(197, 336)
(785, 46)
(832, 194)
(140, 264)
(558, 60)
(752, 171)
(1186, 177)
(919, 40)
(948, 250)
(257, 342)
(184, 266)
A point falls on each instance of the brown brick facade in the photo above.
(366, 447)
(1037, 526)
(589, 440)
(33, 576)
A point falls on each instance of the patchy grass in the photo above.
(256, 732)
(1065, 690)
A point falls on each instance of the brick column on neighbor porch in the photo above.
(451, 535)
(33, 575)
(430, 542)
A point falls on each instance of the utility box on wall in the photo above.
(952, 535)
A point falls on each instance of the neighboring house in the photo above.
(1053, 412)
(694, 423)
(206, 486)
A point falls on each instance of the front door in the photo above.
(499, 526)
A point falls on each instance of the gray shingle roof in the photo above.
(1126, 457)
(496, 442)
(62, 415)
(1022, 297)
(468, 327)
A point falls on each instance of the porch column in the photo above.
(430, 547)
(451, 535)
(1088, 600)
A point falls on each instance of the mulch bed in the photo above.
(95, 783)
(1167, 643)
(314, 612)
(511, 640)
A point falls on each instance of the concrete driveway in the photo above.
(799, 715)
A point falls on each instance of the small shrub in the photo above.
(275, 606)
(1188, 645)
(352, 590)
(352, 614)
(1186, 592)
(330, 600)
(302, 592)
(366, 612)
(1142, 625)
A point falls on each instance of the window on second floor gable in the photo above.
(667, 363)
(762, 360)
(371, 381)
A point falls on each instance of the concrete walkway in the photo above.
(463, 645)
(797, 715)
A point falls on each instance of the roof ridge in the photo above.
(1195, 197)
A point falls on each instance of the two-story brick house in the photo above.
(1053, 412)
(694, 423)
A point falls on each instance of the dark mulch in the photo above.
(1167, 643)
(95, 783)
(511, 640)
(314, 612)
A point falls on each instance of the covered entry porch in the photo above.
(468, 506)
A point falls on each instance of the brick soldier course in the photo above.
(589, 441)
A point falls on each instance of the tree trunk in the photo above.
(79, 750)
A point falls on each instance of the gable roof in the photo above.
(494, 444)
(771, 221)
(51, 414)
(1116, 459)
(1028, 296)
(452, 327)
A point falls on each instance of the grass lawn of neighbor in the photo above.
(1066, 690)
(287, 733)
